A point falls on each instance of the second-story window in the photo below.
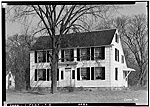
(85, 54)
(100, 53)
(41, 56)
(69, 54)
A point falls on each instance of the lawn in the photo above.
(140, 97)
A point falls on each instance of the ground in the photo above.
(139, 97)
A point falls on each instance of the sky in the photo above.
(129, 10)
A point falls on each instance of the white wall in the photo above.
(86, 83)
(120, 82)
(12, 81)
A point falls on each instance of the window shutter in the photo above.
(47, 74)
(92, 73)
(35, 56)
(78, 54)
(57, 74)
(48, 56)
(78, 73)
(35, 78)
(73, 74)
(44, 56)
(92, 53)
(88, 73)
(103, 52)
(88, 53)
(118, 55)
(44, 74)
(72, 54)
(62, 55)
(62, 75)
(103, 73)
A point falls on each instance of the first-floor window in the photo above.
(100, 73)
(42, 75)
(83, 73)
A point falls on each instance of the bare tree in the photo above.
(17, 59)
(136, 38)
(56, 21)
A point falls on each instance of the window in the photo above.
(85, 54)
(100, 53)
(85, 74)
(40, 56)
(69, 54)
(42, 75)
(122, 58)
(117, 38)
(62, 74)
(116, 73)
(116, 55)
(100, 73)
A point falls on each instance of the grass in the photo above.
(105, 96)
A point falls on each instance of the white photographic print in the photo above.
(76, 53)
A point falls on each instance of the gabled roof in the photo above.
(86, 39)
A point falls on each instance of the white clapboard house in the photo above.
(89, 59)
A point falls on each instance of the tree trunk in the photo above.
(54, 64)
(54, 68)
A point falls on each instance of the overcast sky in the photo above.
(138, 8)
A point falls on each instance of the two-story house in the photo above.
(89, 59)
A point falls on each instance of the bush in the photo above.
(70, 88)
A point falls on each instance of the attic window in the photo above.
(117, 38)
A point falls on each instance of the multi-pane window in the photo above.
(116, 55)
(99, 73)
(100, 53)
(117, 38)
(42, 74)
(67, 55)
(42, 56)
(116, 73)
(85, 54)
(83, 73)
(122, 57)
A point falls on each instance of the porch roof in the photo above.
(128, 69)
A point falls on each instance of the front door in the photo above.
(68, 76)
